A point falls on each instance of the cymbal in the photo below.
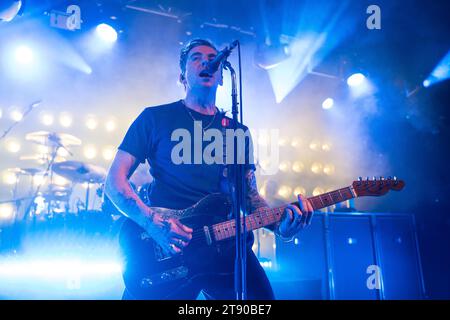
(53, 139)
(78, 171)
(26, 171)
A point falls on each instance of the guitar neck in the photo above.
(266, 216)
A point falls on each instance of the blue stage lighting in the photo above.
(327, 103)
(106, 32)
(355, 79)
(440, 73)
(24, 55)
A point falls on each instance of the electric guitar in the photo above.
(151, 274)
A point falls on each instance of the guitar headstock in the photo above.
(377, 187)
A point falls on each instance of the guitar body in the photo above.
(149, 274)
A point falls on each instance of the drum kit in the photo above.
(45, 196)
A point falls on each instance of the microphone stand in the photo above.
(30, 107)
(236, 179)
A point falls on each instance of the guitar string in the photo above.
(196, 235)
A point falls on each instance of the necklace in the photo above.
(195, 120)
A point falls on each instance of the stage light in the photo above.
(283, 141)
(298, 166)
(295, 142)
(13, 146)
(6, 211)
(47, 119)
(440, 73)
(328, 169)
(317, 191)
(284, 166)
(90, 152)
(299, 190)
(91, 123)
(314, 145)
(326, 147)
(268, 56)
(24, 55)
(108, 153)
(355, 79)
(106, 32)
(16, 115)
(316, 167)
(9, 178)
(110, 125)
(65, 119)
(327, 103)
(9, 9)
(285, 191)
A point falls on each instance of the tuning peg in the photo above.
(382, 178)
(389, 178)
(367, 178)
(359, 178)
(374, 178)
(395, 178)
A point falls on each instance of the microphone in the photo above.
(214, 64)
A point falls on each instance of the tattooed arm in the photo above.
(291, 222)
(254, 199)
(166, 230)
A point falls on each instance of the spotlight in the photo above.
(285, 191)
(110, 125)
(24, 55)
(299, 190)
(106, 32)
(47, 119)
(6, 211)
(91, 123)
(355, 79)
(317, 191)
(13, 146)
(426, 83)
(314, 145)
(65, 119)
(268, 56)
(108, 153)
(9, 10)
(16, 115)
(284, 166)
(316, 167)
(9, 178)
(298, 166)
(328, 169)
(90, 152)
(327, 103)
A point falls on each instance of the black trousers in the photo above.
(221, 286)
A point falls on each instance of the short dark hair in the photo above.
(188, 47)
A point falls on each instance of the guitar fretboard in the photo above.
(265, 216)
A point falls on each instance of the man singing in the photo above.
(178, 185)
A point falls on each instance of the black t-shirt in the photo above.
(153, 137)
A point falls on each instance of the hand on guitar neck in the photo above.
(295, 218)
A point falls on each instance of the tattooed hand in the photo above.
(167, 231)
